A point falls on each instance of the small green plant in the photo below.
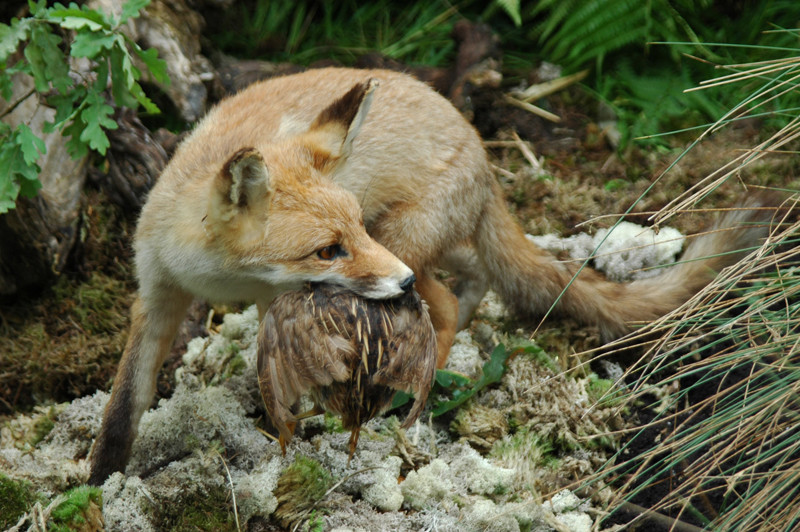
(602, 391)
(333, 424)
(315, 523)
(525, 445)
(82, 506)
(462, 388)
(81, 109)
(300, 488)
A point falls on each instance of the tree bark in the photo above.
(37, 236)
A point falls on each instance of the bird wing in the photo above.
(298, 349)
(412, 365)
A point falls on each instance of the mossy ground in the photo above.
(199, 509)
(64, 341)
(16, 498)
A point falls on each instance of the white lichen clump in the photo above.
(384, 492)
(124, 502)
(570, 511)
(629, 251)
(204, 440)
(465, 356)
(427, 485)
(254, 489)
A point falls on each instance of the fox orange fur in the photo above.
(362, 178)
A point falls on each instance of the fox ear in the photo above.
(337, 126)
(244, 179)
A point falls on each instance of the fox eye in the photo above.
(330, 252)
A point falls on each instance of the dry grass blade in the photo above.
(538, 111)
(701, 189)
(734, 451)
(541, 90)
(782, 78)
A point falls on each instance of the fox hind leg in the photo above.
(471, 280)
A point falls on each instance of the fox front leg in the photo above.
(154, 324)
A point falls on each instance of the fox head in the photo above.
(281, 220)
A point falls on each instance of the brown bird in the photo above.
(349, 353)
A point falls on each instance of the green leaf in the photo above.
(33, 53)
(18, 176)
(23, 171)
(142, 98)
(400, 398)
(126, 91)
(75, 146)
(37, 7)
(511, 7)
(48, 62)
(6, 86)
(8, 195)
(450, 379)
(9, 186)
(11, 36)
(101, 73)
(120, 80)
(131, 9)
(493, 371)
(77, 23)
(75, 17)
(122, 69)
(97, 116)
(31, 145)
(66, 106)
(91, 44)
(156, 66)
(30, 186)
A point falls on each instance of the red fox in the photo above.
(362, 178)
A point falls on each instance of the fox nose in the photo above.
(408, 283)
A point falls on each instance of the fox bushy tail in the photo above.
(530, 279)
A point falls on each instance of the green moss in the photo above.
(527, 446)
(299, 489)
(333, 424)
(533, 352)
(95, 304)
(198, 509)
(76, 333)
(601, 390)
(81, 508)
(16, 498)
(236, 365)
(43, 425)
(315, 523)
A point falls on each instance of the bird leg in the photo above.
(354, 434)
(291, 425)
(315, 411)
